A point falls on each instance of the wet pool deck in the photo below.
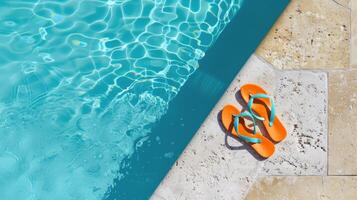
(308, 61)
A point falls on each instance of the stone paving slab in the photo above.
(304, 187)
(343, 123)
(302, 102)
(217, 166)
(311, 34)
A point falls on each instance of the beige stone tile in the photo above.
(301, 98)
(307, 187)
(342, 123)
(310, 34)
(354, 33)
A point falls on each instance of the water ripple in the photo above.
(82, 81)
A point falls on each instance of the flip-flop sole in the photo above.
(265, 149)
(261, 107)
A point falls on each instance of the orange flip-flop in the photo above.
(233, 121)
(262, 107)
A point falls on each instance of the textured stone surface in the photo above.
(311, 34)
(298, 188)
(354, 33)
(343, 123)
(216, 166)
(302, 102)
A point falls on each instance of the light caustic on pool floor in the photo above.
(82, 80)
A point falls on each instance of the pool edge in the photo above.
(197, 97)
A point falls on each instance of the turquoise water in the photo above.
(82, 82)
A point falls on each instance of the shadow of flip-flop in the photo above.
(243, 146)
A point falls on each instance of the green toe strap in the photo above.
(243, 137)
(272, 109)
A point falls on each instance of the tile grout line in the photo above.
(328, 123)
(348, 8)
(336, 175)
(350, 45)
(318, 70)
(307, 69)
(257, 178)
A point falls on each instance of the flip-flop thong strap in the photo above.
(236, 123)
(272, 109)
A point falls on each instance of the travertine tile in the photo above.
(210, 168)
(310, 34)
(343, 123)
(302, 101)
(354, 33)
(308, 187)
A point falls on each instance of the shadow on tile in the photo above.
(244, 145)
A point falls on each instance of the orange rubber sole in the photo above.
(261, 107)
(265, 149)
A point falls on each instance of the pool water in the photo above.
(82, 82)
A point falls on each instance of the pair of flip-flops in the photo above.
(260, 107)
